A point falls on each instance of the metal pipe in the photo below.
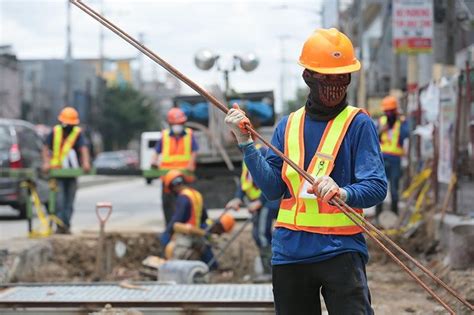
(351, 213)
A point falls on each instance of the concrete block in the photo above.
(23, 257)
(456, 235)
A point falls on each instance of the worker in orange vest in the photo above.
(316, 248)
(66, 147)
(189, 209)
(393, 130)
(177, 149)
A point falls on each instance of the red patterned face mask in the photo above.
(327, 89)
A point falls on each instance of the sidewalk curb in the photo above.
(103, 180)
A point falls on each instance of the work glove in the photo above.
(236, 121)
(254, 206)
(326, 188)
(234, 204)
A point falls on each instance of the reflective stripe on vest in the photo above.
(391, 146)
(195, 198)
(303, 211)
(61, 148)
(246, 182)
(176, 152)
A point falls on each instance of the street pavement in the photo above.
(136, 207)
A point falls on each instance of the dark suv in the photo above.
(20, 147)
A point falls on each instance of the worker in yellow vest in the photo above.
(316, 248)
(176, 150)
(393, 130)
(66, 147)
(263, 213)
(189, 209)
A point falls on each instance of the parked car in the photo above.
(116, 160)
(20, 147)
(131, 158)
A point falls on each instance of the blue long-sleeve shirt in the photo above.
(358, 169)
(181, 214)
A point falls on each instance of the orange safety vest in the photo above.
(391, 145)
(62, 148)
(303, 211)
(176, 152)
(195, 199)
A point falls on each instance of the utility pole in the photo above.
(451, 31)
(101, 43)
(68, 60)
(361, 95)
(141, 38)
(282, 39)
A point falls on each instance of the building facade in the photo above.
(10, 84)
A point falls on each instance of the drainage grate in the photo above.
(165, 293)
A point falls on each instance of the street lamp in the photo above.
(205, 59)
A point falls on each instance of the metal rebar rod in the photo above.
(395, 258)
(387, 239)
(358, 220)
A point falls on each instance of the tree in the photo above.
(125, 115)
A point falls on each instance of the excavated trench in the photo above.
(73, 259)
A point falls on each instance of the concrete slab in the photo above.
(443, 229)
(23, 257)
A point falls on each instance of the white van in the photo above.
(147, 148)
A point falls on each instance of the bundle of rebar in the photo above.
(382, 240)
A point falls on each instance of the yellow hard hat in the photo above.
(329, 51)
(69, 116)
(389, 103)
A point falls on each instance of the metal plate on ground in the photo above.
(143, 294)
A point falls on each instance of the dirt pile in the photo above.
(73, 258)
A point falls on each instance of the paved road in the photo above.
(136, 207)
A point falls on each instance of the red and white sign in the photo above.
(412, 25)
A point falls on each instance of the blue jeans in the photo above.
(65, 199)
(262, 234)
(393, 170)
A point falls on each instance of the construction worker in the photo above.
(66, 147)
(189, 209)
(393, 130)
(263, 213)
(315, 246)
(177, 149)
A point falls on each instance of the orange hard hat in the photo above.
(171, 177)
(176, 116)
(389, 103)
(227, 221)
(329, 51)
(69, 116)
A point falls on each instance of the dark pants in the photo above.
(65, 199)
(262, 234)
(341, 280)
(393, 170)
(168, 203)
